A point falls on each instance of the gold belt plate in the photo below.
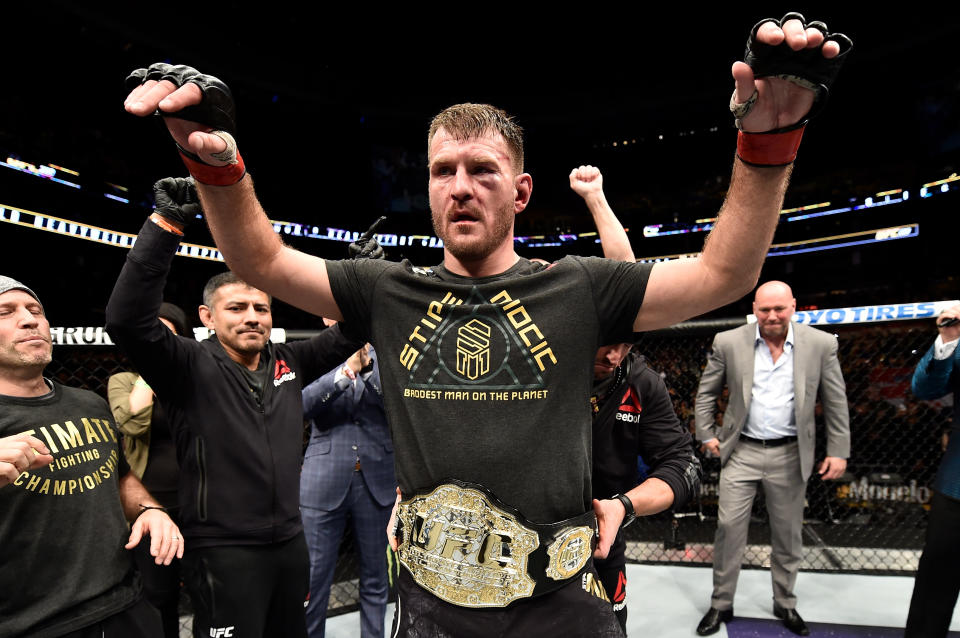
(458, 545)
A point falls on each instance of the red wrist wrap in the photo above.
(769, 149)
(215, 175)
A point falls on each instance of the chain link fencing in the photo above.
(871, 520)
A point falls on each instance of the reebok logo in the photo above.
(281, 373)
(621, 592)
(630, 402)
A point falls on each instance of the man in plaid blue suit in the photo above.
(347, 473)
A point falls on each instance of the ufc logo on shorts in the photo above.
(221, 632)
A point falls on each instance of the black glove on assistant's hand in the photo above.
(367, 246)
(177, 199)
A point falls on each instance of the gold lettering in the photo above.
(33, 482)
(501, 297)
(45, 488)
(408, 356)
(487, 554)
(71, 485)
(89, 482)
(20, 478)
(91, 433)
(428, 324)
(511, 304)
(416, 333)
(59, 488)
(430, 541)
(433, 310)
(541, 355)
(53, 448)
(531, 327)
(451, 545)
(450, 300)
(525, 318)
(105, 424)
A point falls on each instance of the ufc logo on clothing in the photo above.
(221, 632)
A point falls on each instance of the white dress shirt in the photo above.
(771, 412)
(943, 350)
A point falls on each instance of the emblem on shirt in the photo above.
(488, 344)
(630, 407)
(473, 349)
(282, 372)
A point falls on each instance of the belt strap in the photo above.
(462, 543)
(783, 440)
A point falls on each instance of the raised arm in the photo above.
(770, 112)
(199, 113)
(587, 182)
(931, 379)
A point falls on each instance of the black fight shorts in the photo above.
(579, 608)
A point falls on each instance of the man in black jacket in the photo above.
(633, 417)
(234, 402)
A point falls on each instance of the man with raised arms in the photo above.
(494, 468)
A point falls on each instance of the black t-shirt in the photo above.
(62, 528)
(488, 380)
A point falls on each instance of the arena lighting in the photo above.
(953, 177)
(46, 172)
(68, 228)
(785, 211)
(845, 240)
(77, 230)
(818, 244)
(67, 170)
(705, 225)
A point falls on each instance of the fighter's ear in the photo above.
(206, 316)
(524, 185)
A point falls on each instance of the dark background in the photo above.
(334, 107)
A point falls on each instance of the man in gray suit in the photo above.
(775, 371)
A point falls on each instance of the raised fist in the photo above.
(177, 199)
(586, 180)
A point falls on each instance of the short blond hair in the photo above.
(468, 121)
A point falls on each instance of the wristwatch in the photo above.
(630, 514)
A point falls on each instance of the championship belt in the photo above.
(465, 546)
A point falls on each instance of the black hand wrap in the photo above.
(217, 109)
(813, 70)
(177, 199)
(367, 246)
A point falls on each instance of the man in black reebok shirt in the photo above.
(633, 417)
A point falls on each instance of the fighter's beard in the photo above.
(475, 249)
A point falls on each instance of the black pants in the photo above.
(576, 609)
(937, 584)
(161, 586)
(140, 620)
(613, 576)
(249, 591)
